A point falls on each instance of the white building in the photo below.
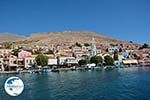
(113, 49)
(5, 51)
(52, 61)
(71, 60)
(29, 62)
(1, 64)
(130, 62)
(67, 60)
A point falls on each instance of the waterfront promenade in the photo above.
(70, 69)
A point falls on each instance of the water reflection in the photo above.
(116, 84)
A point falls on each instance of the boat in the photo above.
(98, 67)
(73, 68)
(37, 71)
(18, 70)
(109, 68)
(31, 71)
(34, 70)
(54, 69)
(46, 69)
(90, 66)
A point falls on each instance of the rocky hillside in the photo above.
(8, 37)
(58, 38)
(69, 37)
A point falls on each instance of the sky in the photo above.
(120, 19)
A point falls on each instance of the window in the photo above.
(30, 61)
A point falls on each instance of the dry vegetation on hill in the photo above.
(57, 38)
(69, 37)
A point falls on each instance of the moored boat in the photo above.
(54, 69)
(73, 68)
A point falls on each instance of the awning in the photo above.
(130, 62)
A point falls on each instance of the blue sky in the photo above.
(120, 19)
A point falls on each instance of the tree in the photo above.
(36, 52)
(96, 59)
(78, 44)
(130, 41)
(111, 44)
(50, 52)
(41, 60)
(86, 44)
(145, 45)
(82, 62)
(109, 60)
(15, 52)
(136, 56)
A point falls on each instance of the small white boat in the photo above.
(90, 66)
(105, 67)
(46, 69)
(73, 68)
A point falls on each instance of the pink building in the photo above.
(24, 54)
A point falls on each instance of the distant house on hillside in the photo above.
(5, 51)
(113, 49)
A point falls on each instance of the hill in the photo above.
(69, 37)
(59, 38)
(9, 37)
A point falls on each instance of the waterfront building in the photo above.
(29, 61)
(12, 63)
(130, 62)
(20, 63)
(24, 54)
(1, 64)
(67, 60)
(71, 62)
(144, 61)
(52, 61)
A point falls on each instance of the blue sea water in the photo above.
(116, 84)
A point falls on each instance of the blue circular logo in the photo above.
(14, 86)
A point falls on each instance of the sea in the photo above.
(131, 83)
